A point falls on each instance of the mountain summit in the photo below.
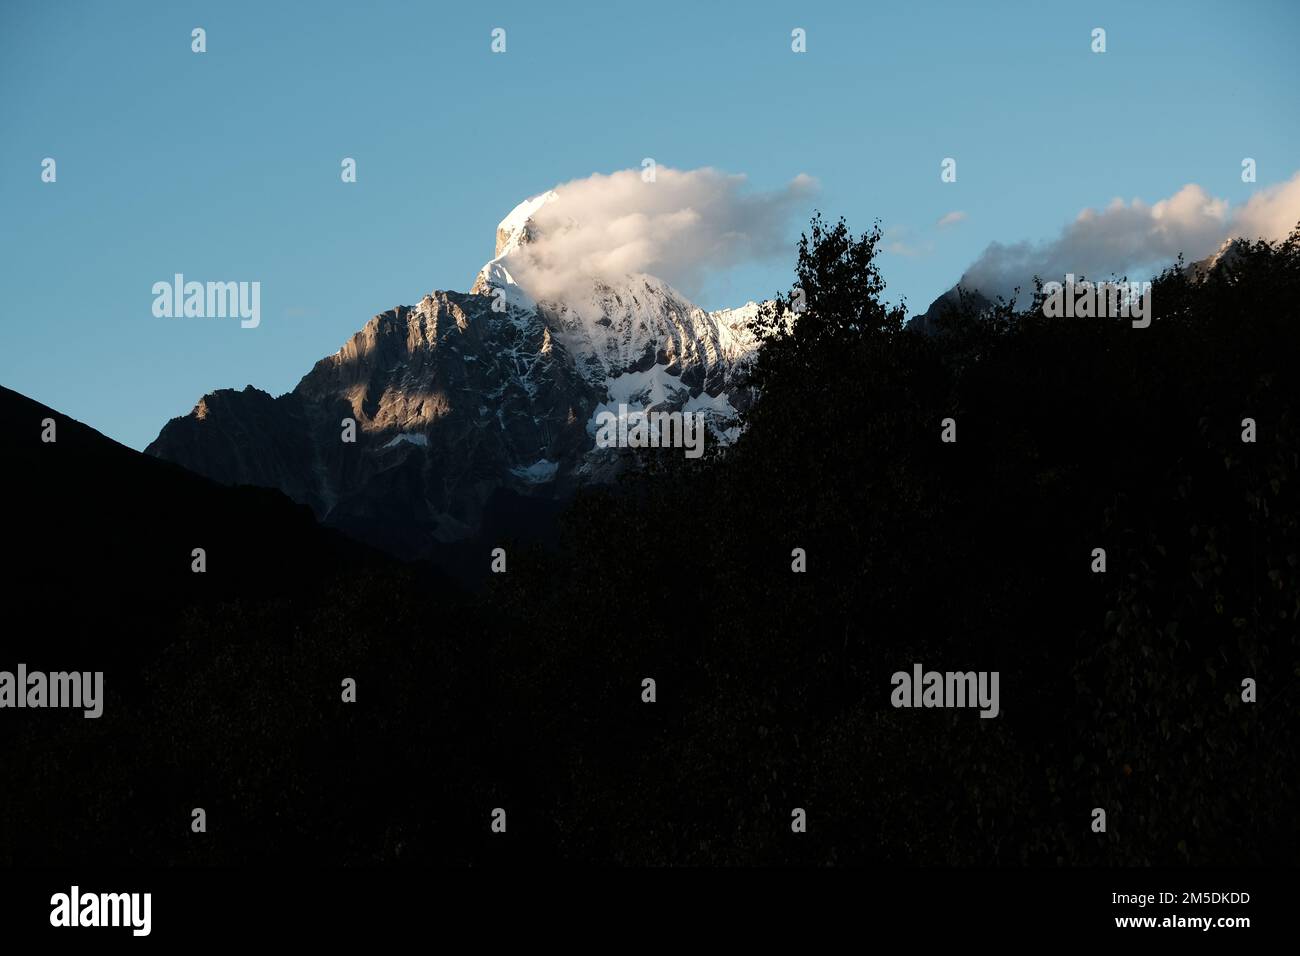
(469, 403)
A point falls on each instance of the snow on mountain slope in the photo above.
(633, 335)
(465, 397)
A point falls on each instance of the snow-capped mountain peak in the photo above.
(515, 228)
(464, 397)
(614, 324)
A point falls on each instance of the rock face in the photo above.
(468, 400)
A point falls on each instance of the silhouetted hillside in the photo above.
(1119, 690)
(213, 681)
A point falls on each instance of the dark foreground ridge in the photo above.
(1119, 690)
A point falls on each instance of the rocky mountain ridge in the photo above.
(466, 397)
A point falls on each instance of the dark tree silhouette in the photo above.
(1120, 690)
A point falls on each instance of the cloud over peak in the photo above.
(681, 226)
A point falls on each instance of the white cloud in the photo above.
(1126, 237)
(951, 219)
(683, 227)
(1270, 213)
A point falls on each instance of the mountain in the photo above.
(220, 689)
(472, 406)
(1226, 256)
(927, 322)
(116, 530)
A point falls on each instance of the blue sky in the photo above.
(225, 165)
